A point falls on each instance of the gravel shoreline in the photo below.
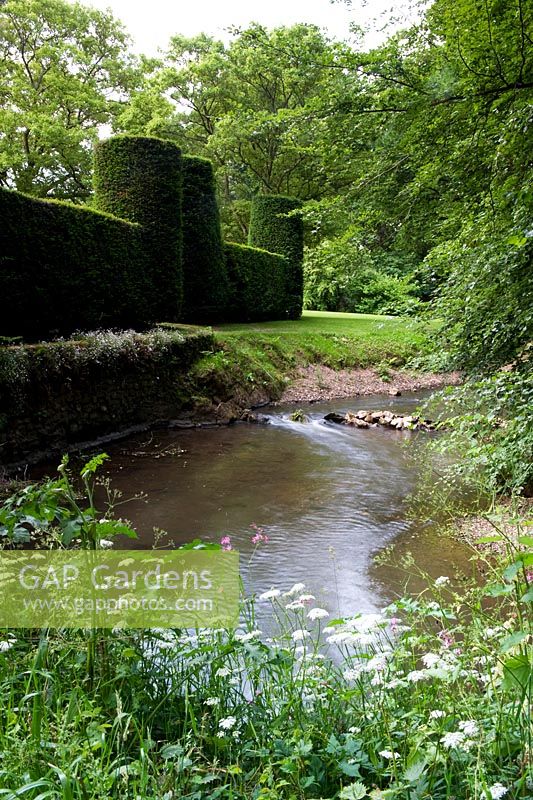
(315, 383)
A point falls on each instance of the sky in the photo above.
(151, 23)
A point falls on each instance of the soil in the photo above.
(315, 382)
(472, 529)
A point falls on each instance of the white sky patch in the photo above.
(151, 24)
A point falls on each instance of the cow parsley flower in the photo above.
(431, 659)
(222, 672)
(270, 594)
(296, 589)
(300, 635)
(416, 675)
(442, 580)
(388, 754)
(227, 723)
(469, 727)
(318, 613)
(496, 791)
(437, 714)
(453, 739)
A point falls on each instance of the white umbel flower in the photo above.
(496, 791)
(318, 613)
(271, 594)
(227, 723)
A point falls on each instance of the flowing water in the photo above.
(329, 498)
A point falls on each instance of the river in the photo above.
(328, 497)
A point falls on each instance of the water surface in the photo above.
(329, 497)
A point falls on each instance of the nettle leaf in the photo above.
(500, 589)
(414, 771)
(518, 672)
(526, 540)
(115, 528)
(352, 770)
(511, 641)
(355, 791)
(512, 571)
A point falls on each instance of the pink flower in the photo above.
(226, 543)
(259, 535)
(446, 638)
(529, 576)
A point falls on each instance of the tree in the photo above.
(65, 72)
(252, 107)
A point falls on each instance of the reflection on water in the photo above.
(329, 498)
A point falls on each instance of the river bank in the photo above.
(72, 394)
(314, 383)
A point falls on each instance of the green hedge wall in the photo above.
(140, 179)
(257, 282)
(272, 230)
(66, 268)
(205, 283)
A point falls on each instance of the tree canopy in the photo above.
(66, 71)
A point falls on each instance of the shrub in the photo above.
(140, 179)
(257, 281)
(341, 274)
(63, 267)
(205, 284)
(488, 435)
(274, 229)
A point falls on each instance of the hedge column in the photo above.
(140, 179)
(205, 283)
(272, 229)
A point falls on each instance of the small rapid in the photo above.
(328, 496)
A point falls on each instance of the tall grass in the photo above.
(431, 698)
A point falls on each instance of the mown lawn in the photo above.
(335, 339)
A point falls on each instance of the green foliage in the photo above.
(66, 70)
(274, 228)
(63, 268)
(140, 179)
(205, 280)
(257, 284)
(247, 107)
(428, 698)
(488, 432)
(486, 304)
(62, 512)
(340, 274)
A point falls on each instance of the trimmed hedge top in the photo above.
(205, 281)
(140, 179)
(65, 268)
(272, 229)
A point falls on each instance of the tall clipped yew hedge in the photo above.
(257, 284)
(66, 268)
(140, 179)
(205, 284)
(271, 229)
